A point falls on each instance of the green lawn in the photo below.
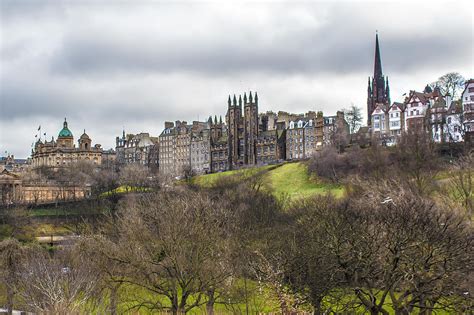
(287, 179)
(292, 180)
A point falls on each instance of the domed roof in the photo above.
(84, 135)
(65, 132)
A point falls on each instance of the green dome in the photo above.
(65, 132)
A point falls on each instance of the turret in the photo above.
(256, 98)
(245, 98)
(235, 101)
(229, 102)
(240, 100)
(250, 97)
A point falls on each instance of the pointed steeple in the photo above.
(220, 119)
(228, 101)
(235, 100)
(245, 98)
(210, 120)
(256, 98)
(215, 119)
(250, 97)
(240, 100)
(378, 63)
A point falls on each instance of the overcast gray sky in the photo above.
(106, 65)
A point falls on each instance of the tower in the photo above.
(65, 138)
(250, 128)
(378, 91)
(85, 142)
(234, 121)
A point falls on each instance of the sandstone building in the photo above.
(63, 151)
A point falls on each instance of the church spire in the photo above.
(377, 63)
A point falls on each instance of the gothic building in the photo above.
(243, 130)
(378, 90)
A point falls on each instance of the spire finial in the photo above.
(235, 100)
(250, 97)
(228, 101)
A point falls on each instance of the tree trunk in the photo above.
(10, 295)
(210, 303)
(113, 300)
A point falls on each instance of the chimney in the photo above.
(169, 124)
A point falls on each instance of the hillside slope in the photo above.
(286, 180)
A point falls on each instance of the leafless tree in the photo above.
(59, 284)
(170, 244)
(12, 255)
(134, 177)
(418, 160)
(461, 185)
(451, 83)
(353, 116)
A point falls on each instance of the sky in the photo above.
(109, 65)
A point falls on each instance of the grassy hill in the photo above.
(285, 180)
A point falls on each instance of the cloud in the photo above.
(111, 64)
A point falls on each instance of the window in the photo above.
(471, 90)
(472, 98)
(449, 120)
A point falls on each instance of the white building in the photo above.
(468, 106)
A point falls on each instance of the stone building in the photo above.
(219, 146)
(304, 136)
(335, 130)
(201, 152)
(11, 164)
(176, 151)
(137, 149)
(167, 149)
(270, 146)
(63, 151)
(13, 190)
(243, 129)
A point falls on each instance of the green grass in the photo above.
(125, 189)
(285, 180)
(293, 180)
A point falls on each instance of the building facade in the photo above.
(305, 136)
(468, 109)
(63, 151)
(137, 149)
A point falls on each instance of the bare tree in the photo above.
(417, 159)
(169, 245)
(451, 83)
(61, 284)
(461, 185)
(353, 116)
(134, 177)
(12, 255)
